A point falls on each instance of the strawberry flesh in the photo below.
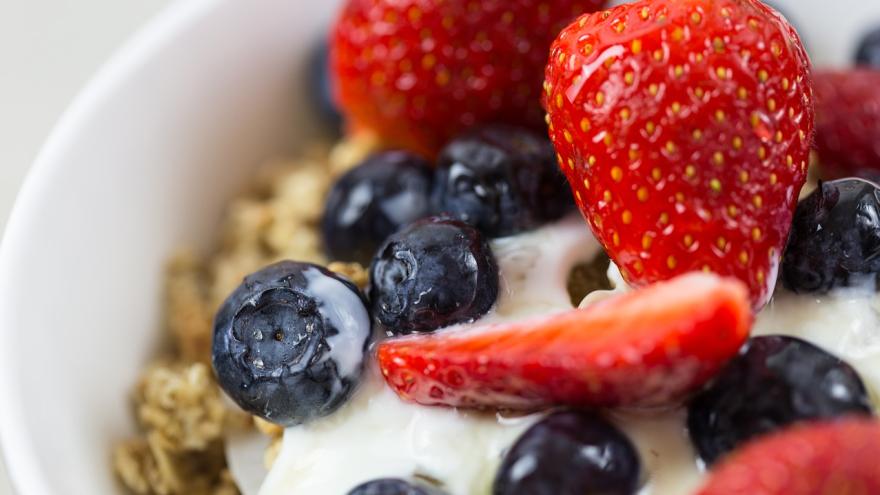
(837, 458)
(649, 347)
(848, 123)
(419, 72)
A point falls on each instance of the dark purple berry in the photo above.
(570, 453)
(372, 201)
(868, 52)
(289, 342)
(835, 238)
(503, 180)
(434, 273)
(774, 382)
(321, 86)
(394, 486)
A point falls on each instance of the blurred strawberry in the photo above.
(848, 123)
(839, 458)
(418, 72)
(684, 128)
(648, 347)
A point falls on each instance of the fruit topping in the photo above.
(643, 348)
(421, 72)
(774, 382)
(394, 486)
(289, 342)
(848, 122)
(835, 238)
(374, 200)
(570, 453)
(502, 180)
(432, 274)
(868, 52)
(838, 458)
(684, 129)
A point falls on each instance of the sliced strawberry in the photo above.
(684, 127)
(848, 123)
(644, 348)
(418, 72)
(839, 458)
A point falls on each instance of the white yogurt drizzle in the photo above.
(377, 435)
(347, 314)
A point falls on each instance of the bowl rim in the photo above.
(17, 451)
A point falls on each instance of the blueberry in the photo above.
(433, 273)
(835, 237)
(774, 382)
(289, 342)
(372, 201)
(321, 85)
(868, 52)
(570, 453)
(394, 486)
(503, 180)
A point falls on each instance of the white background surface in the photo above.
(48, 51)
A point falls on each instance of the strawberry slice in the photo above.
(838, 458)
(418, 72)
(684, 128)
(644, 348)
(848, 123)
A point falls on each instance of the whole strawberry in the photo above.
(848, 123)
(418, 72)
(838, 458)
(684, 128)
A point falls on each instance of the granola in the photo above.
(178, 405)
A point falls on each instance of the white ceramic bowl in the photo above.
(141, 163)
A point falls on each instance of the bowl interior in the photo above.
(143, 163)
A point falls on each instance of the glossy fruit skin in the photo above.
(501, 179)
(394, 486)
(419, 72)
(868, 52)
(374, 200)
(289, 342)
(848, 122)
(684, 128)
(835, 238)
(650, 347)
(774, 382)
(432, 274)
(570, 453)
(837, 457)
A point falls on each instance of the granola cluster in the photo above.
(177, 402)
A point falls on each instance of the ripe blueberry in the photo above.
(570, 453)
(434, 273)
(289, 342)
(372, 201)
(775, 381)
(502, 180)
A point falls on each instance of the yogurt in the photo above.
(377, 435)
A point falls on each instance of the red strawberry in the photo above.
(648, 347)
(684, 128)
(420, 71)
(838, 458)
(848, 122)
